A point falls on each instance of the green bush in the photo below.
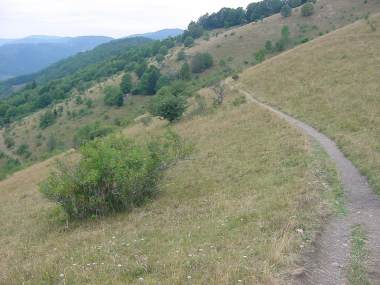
(112, 175)
(295, 3)
(168, 106)
(185, 72)
(23, 150)
(9, 141)
(113, 96)
(126, 83)
(189, 41)
(90, 132)
(307, 9)
(47, 119)
(286, 11)
(201, 61)
(181, 55)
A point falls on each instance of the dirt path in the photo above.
(329, 262)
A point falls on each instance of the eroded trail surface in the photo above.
(329, 262)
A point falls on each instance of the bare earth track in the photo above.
(328, 263)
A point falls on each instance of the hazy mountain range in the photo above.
(34, 53)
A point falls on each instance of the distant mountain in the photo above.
(160, 35)
(34, 53)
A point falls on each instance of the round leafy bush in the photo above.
(113, 174)
(307, 9)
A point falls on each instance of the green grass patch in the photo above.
(357, 274)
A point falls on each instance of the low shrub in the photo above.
(201, 62)
(47, 119)
(113, 174)
(90, 132)
(113, 96)
(307, 9)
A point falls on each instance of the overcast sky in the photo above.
(116, 18)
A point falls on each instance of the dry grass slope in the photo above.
(237, 46)
(333, 84)
(229, 213)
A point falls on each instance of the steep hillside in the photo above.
(237, 47)
(25, 57)
(331, 83)
(229, 214)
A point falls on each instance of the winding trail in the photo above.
(329, 262)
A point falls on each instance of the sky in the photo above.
(116, 18)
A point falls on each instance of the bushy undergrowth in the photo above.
(112, 175)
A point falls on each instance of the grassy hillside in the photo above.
(229, 214)
(333, 84)
(237, 46)
(74, 115)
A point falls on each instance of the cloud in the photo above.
(116, 18)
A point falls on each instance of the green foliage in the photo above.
(23, 150)
(90, 132)
(268, 46)
(286, 11)
(126, 83)
(307, 9)
(295, 3)
(79, 72)
(181, 55)
(195, 30)
(189, 41)
(113, 96)
(239, 101)
(51, 143)
(185, 72)
(260, 56)
(9, 165)
(47, 119)
(114, 174)
(9, 141)
(168, 106)
(148, 83)
(89, 102)
(163, 50)
(201, 61)
(78, 100)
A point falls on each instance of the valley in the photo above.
(273, 125)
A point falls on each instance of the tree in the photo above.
(185, 73)
(163, 50)
(47, 119)
(168, 106)
(126, 83)
(181, 55)
(113, 96)
(189, 41)
(269, 46)
(148, 83)
(295, 3)
(141, 69)
(286, 11)
(200, 62)
(195, 30)
(307, 9)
